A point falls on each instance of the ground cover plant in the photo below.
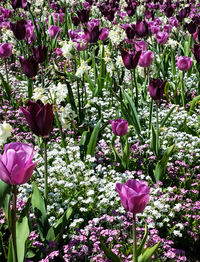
(99, 130)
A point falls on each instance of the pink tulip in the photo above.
(184, 63)
(162, 37)
(134, 195)
(146, 59)
(16, 166)
(119, 127)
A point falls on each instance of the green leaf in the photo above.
(193, 104)
(164, 120)
(40, 211)
(153, 140)
(4, 190)
(141, 246)
(50, 235)
(93, 139)
(162, 164)
(11, 257)
(6, 87)
(133, 113)
(148, 253)
(109, 254)
(22, 233)
(150, 115)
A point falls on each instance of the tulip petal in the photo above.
(28, 172)
(4, 174)
(30, 120)
(45, 120)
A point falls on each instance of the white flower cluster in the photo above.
(116, 35)
(67, 48)
(67, 115)
(83, 68)
(58, 92)
(5, 132)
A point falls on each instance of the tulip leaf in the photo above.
(133, 113)
(193, 103)
(109, 254)
(150, 115)
(22, 233)
(153, 140)
(164, 120)
(6, 87)
(148, 253)
(93, 139)
(141, 246)
(162, 164)
(4, 190)
(40, 211)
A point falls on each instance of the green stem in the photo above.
(157, 130)
(14, 221)
(6, 69)
(45, 170)
(94, 65)
(134, 240)
(182, 89)
(42, 76)
(3, 246)
(150, 117)
(136, 89)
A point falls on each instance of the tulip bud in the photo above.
(184, 63)
(5, 50)
(119, 127)
(19, 29)
(29, 66)
(141, 28)
(156, 88)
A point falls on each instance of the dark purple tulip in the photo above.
(119, 126)
(130, 58)
(19, 3)
(29, 66)
(130, 31)
(19, 29)
(75, 20)
(196, 52)
(93, 35)
(83, 15)
(39, 117)
(156, 88)
(5, 50)
(141, 28)
(169, 10)
(183, 13)
(131, 8)
(39, 53)
(191, 27)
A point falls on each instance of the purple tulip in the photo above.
(134, 195)
(5, 50)
(184, 63)
(54, 31)
(146, 59)
(119, 126)
(131, 8)
(156, 88)
(141, 28)
(103, 34)
(29, 66)
(162, 37)
(141, 45)
(76, 20)
(196, 52)
(83, 15)
(130, 31)
(92, 33)
(40, 117)
(130, 58)
(16, 163)
(19, 29)
(39, 53)
(19, 3)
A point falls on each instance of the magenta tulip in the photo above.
(103, 34)
(134, 195)
(146, 59)
(5, 50)
(54, 31)
(119, 126)
(184, 63)
(39, 53)
(141, 28)
(16, 163)
(40, 117)
(156, 88)
(162, 37)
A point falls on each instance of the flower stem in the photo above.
(157, 131)
(134, 240)
(45, 170)
(136, 89)
(182, 89)
(14, 221)
(6, 69)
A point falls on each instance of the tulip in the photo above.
(75, 20)
(156, 88)
(39, 117)
(39, 53)
(141, 28)
(19, 3)
(19, 29)
(92, 33)
(83, 15)
(29, 66)
(54, 31)
(16, 163)
(131, 8)
(119, 127)
(169, 10)
(196, 52)
(130, 58)
(140, 45)
(103, 34)
(162, 37)
(5, 50)
(146, 59)
(134, 195)
(130, 31)
(184, 63)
